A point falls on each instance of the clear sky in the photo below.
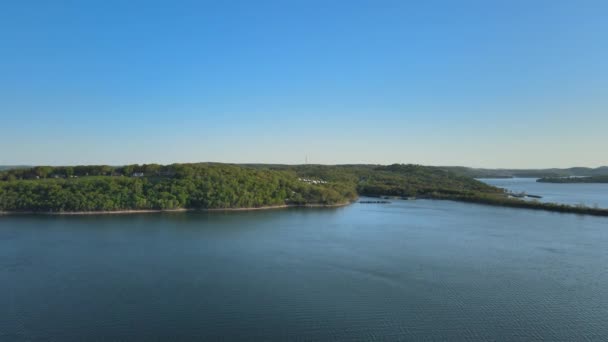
(477, 83)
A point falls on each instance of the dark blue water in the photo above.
(409, 270)
(588, 194)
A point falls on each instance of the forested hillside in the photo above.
(228, 186)
(204, 186)
(210, 185)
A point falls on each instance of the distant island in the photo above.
(215, 186)
(590, 179)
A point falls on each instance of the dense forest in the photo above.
(590, 179)
(135, 187)
(227, 186)
(394, 180)
(210, 185)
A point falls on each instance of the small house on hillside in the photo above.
(138, 174)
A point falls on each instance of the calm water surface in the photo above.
(589, 194)
(409, 270)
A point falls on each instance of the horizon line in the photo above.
(297, 164)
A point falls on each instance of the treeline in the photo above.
(198, 186)
(215, 186)
(394, 180)
(415, 180)
(211, 185)
(42, 172)
(591, 179)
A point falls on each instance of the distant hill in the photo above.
(459, 170)
(589, 179)
(532, 173)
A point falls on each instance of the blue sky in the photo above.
(476, 83)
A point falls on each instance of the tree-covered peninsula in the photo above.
(105, 188)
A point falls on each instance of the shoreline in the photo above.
(550, 207)
(179, 210)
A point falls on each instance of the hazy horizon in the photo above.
(296, 164)
(517, 84)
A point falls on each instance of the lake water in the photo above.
(408, 270)
(589, 194)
